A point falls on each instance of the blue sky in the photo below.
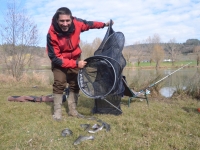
(136, 19)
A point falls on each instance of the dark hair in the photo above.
(64, 11)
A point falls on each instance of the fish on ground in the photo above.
(95, 126)
(85, 126)
(83, 138)
(106, 125)
(66, 132)
(96, 130)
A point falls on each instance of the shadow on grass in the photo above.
(189, 109)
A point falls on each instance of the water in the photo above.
(179, 80)
(167, 91)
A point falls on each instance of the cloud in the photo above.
(138, 20)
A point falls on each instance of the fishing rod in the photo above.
(145, 91)
(148, 92)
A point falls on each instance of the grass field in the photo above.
(167, 124)
(166, 64)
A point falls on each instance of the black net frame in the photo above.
(92, 77)
(101, 78)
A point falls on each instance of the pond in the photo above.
(180, 79)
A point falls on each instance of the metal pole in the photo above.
(167, 76)
(112, 104)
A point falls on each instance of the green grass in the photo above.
(166, 124)
(166, 64)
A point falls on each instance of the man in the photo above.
(64, 51)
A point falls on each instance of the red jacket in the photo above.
(63, 50)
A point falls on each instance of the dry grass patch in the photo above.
(27, 80)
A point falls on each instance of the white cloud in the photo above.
(179, 19)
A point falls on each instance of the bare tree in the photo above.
(96, 43)
(88, 49)
(150, 42)
(19, 36)
(158, 55)
(139, 54)
(127, 54)
(197, 53)
(173, 50)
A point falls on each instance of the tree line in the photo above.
(19, 45)
(153, 50)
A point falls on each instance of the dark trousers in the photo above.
(62, 76)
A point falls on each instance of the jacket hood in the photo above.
(59, 30)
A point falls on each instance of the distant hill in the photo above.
(185, 48)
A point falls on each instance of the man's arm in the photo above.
(86, 25)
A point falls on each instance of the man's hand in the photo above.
(108, 23)
(81, 64)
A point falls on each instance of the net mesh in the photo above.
(102, 76)
(103, 107)
(97, 78)
(113, 48)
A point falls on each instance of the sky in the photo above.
(136, 19)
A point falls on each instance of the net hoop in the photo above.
(84, 85)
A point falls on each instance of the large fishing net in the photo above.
(101, 78)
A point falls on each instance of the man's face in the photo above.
(64, 22)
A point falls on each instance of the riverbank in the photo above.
(163, 65)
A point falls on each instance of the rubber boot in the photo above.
(72, 103)
(57, 106)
